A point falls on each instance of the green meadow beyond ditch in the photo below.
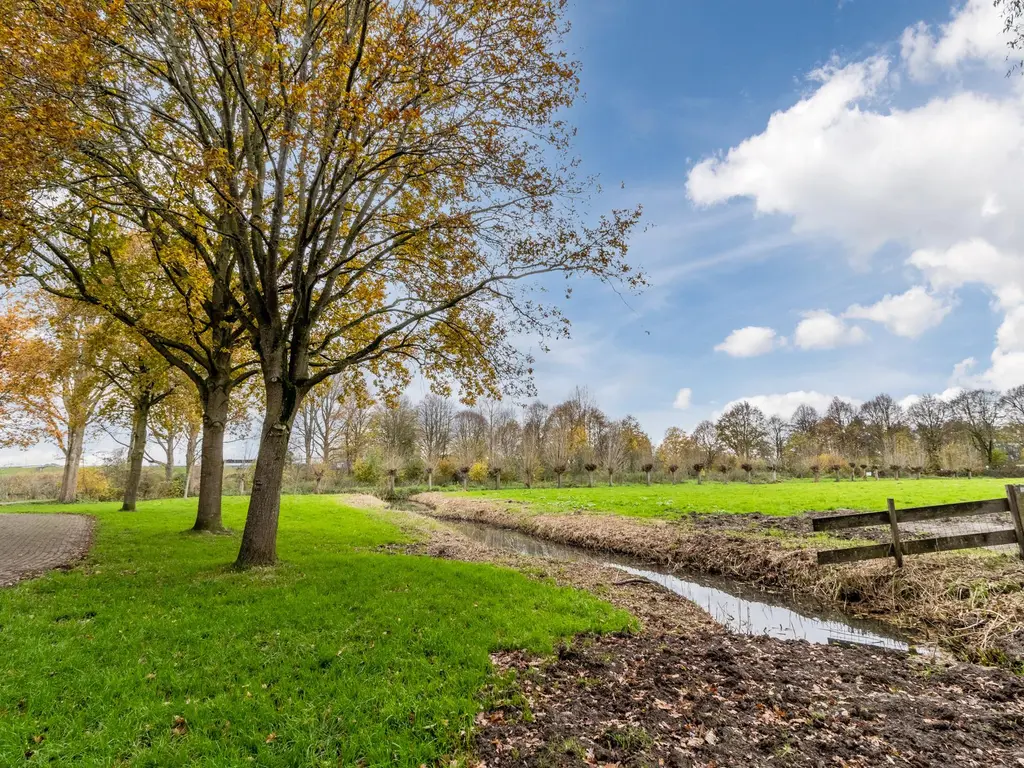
(786, 498)
(154, 652)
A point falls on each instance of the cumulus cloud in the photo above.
(908, 314)
(823, 330)
(939, 178)
(751, 341)
(974, 260)
(785, 404)
(683, 399)
(973, 34)
(945, 396)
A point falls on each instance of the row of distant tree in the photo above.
(436, 438)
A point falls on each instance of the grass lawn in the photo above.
(155, 653)
(786, 498)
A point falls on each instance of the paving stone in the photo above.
(33, 544)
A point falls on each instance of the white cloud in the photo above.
(973, 260)
(785, 404)
(823, 330)
(945, 396)
(975, 33)
(751, 341)
(683, 398)
(908, 314)
(939, 177)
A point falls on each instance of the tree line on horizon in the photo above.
(437, 439)
(68, 372)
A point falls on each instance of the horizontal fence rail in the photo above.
(897, 548)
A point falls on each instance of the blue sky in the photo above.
(888, 170)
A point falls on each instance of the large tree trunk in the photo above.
(259, 539)
(136, 453)
(211, 468)
(73, 457)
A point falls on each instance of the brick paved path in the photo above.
(33, 544)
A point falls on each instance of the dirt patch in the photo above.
(723, 700)
(972, 605)
(361, 500)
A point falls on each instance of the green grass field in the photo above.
(155, 653)
(786, 498)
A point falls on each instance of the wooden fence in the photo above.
(898, 548)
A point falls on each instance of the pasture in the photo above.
(790, 497)
(155, 653)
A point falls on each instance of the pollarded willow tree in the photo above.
(368, 184)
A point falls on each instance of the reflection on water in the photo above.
(737, 607)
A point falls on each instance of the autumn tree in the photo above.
(743, 429)
(139, 380)
(884, 419)
(706, 441)
(469, 438)
(395, 427)
(531, 443)
(356, 415)
(369, 183)
(318, 428)
(978, 413)
(435, 417)
(837, 427)
(777, 432)
(558, 440)
(929, 416)
(613, 448)
(674, 450)
(60, 387)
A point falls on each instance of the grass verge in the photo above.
(155, 653)
(786, 498)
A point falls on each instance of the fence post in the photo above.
(1018, 526)
(897, 547)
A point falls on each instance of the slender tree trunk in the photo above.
(259, 538)
(169, 463)
(700, 479)
(430, 479)
(775, 475)
(191, 444)
(73, 457)
(558, 477)
(211, 468)
(136, 453)
(590, 479)
(648, 477)
(465, 482)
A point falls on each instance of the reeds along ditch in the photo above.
(970, 604)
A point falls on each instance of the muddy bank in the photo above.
(971, 605)
(725, 700)
(684, 693)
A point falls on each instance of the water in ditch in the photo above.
(739, 608)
